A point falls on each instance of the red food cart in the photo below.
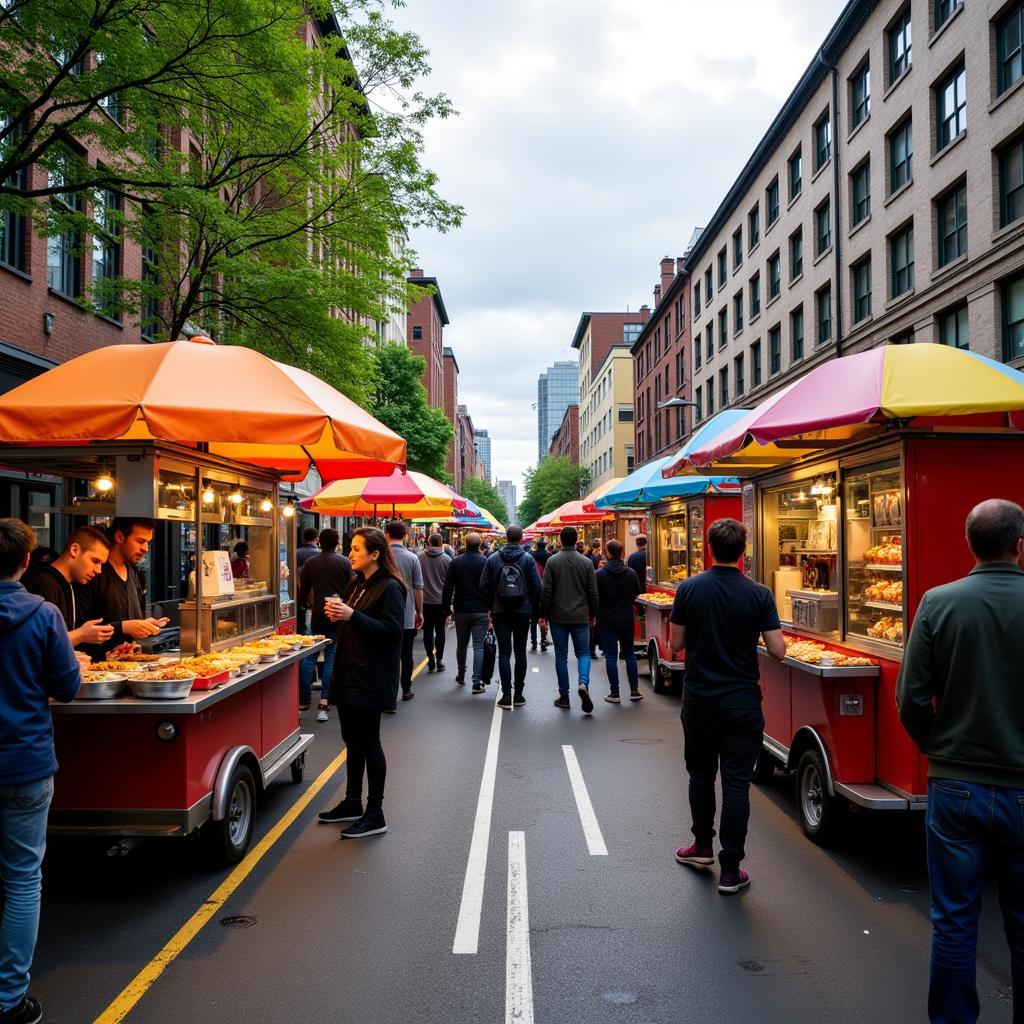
(860, 479)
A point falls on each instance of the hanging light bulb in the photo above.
(104, 483)
(235, 497)
(266, 505)
(209, 497)
(288, 511)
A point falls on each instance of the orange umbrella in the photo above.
(246, 406)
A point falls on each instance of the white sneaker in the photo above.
(321, 714)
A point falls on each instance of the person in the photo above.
(717, 617)
(326, 574)
(960, 698)
(569, 604)
(638, 562)
(463, 597)
(38, 664)
(594, 554)
(510, 582)
(540, 556)
(617, 589)
(115, 594)
(308, 548)
(366, 676)
(81, 560)
(240, 567)
(412, 575)
(434, 563)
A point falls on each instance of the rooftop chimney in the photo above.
(645, 313)
(416, 272)
(657, 295)
(668, 272)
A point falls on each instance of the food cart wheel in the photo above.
(819, 812)
(660, 676)
(764, 767)
(298, 767)
(227, 840)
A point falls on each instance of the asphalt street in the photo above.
(325, 931)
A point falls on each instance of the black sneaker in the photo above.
(29, 1012)
(347, 810)
(479, 688)
(518, 699)
(635, 695)
(407, 695)
(439, 667)
(505, 700)
(461, 680)
(544, 645)
(613, 698)
(430, 664)
(367, 825)
(562, 702)
(585, 701)
(533, 646)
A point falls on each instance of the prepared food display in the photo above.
(889, 552)
(671, 553)
(812, 653)
(169, 672)
(656, 598)
(115, 666)
(885, 591)
(90, 676)
(137, 657)
(887, 628)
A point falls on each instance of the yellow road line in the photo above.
(143, 981)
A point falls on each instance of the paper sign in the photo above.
(217, 577)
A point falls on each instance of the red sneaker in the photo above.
(733, 881)
(696, 855)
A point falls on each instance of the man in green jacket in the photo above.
(961, 698)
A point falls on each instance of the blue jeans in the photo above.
(23, 811)
(614, 641)
(971, 826)
(560, 634)
(306, 667)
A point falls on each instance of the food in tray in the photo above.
(208, 665)
(814, 653)
(656, 598)
(120, 667)
(137, 657)
(846, 661)
(101, 677)
(678, 573)
(890, 592)
(887, 628)
(169, 672)
(889, 552)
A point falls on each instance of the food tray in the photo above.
(211, 682)
(161, 689)
(102, 690)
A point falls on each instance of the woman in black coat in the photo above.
(367, 668)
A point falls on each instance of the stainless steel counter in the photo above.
(829, 671)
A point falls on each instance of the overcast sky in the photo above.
(593, 137)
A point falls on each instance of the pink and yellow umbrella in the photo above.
(407, 494)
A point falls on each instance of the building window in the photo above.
(953, 327)
(951, 212)
(710, 389)
(903, 338)
(943, 9)
(698, 413)
(625, 414)
(737, 313)
(106, 254)
(901, 255)
(680, 369)
(1011, 183)
(696, 299)
(709, 289)
(723, 327)
(63, 246)
(697, 353)
(755, 365)
(709, 341)
(13, 225)
(822, 142)
(823, 227)
(630, 332)
(1009, 43)
(737, 375)
(899, 46)
(737, 248)
(860, 192)
(860, 95)
(950, 107)
(723, 268)
(796, 173)
(901, 155)
(1013, 319)
(772, 202)
(417, 334)
(723, 386)
(774, 276)
(796, 335)
(823, 305)
(755, 296)
(861, 290)
(774, 351)
(796, 254)
(754, 226)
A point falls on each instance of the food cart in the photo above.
(200, 748)
(859, 480)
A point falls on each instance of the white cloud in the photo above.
(593, 137)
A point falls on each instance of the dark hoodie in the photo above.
(50, 585)
(38, 663)
(617, 589)
(509, 554)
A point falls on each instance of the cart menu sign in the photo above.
(217, 577)
(748, 522)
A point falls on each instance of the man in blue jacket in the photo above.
(38, 663)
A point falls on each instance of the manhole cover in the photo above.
(751, 966)
(240, 921)
(621, 998)
(642, 741)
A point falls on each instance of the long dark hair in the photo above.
(375, 540)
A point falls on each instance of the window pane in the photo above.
(902, 255)
(1009, 34)
(773, 202)
(860, 96)
(901, 152)
(824, 227)
(1013, 313)
(796, 335)
(943, 9)
(953, 226)
(796, 255)
(899, 47)
(1011, 183)
(953, 328)
(755, 364)
(824, 300)
(775, 349)
(774, 276)
(861, 193)
(822, 142)
(951, 107)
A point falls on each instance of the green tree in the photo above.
(554, 482)
(399, 400)
(484, 494)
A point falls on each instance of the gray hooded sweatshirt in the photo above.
(435, 564)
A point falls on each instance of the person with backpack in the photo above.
(617, 589)
(511, 584)
(540, 556)
(569, 602)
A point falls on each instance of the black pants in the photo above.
(433, 631)
(534, 622)
(360, 729)
(726, 738)
(511, 630)
(408, 639)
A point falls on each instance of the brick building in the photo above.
(427, 320)
(566, 441)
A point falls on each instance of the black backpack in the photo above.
(511, 584)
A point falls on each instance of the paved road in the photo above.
(364, 931)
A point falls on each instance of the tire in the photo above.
(298, 767)
(228, 840)
(660, 677)
(820, 814)
(764, 767)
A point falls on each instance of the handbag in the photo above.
(490, 656)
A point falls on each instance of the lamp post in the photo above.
(678, 403)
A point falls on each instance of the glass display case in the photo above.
(875, 606)
(801, 552)
(286, 561)
(673, 549)
(696, 512)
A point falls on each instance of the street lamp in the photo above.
(677, 403)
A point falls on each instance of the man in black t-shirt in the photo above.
(718, 616)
